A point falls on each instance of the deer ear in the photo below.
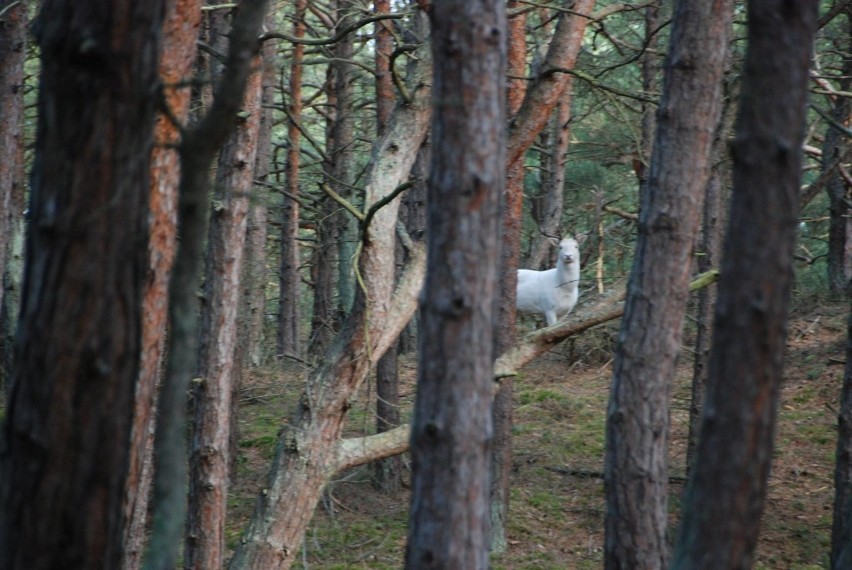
(553, 241)
(581, 239)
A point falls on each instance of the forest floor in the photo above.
(557, 498)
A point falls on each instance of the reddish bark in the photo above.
(180, 35)
(65, 464)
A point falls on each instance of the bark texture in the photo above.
(841, 528)
(218, 376)
(309, 449)
(451, 433)
(726, 492)
(835, 147)
(289, 279)
(13, 51)
(198, 149)
(636, 466)
(180, 34)
(387, 474)
(65, 455)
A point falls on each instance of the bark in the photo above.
(536, 105)
(342, 173)
(710, 248)
(841, 528)
(218, 377)
(727, 489)
(501, 457)
(13, 51)
(650, 74)
(180, 34)
(254, 277)
(197, 151)
(636, 469)
(65, 452)
(835, 146)
(307, 449)
(387, 474)
(324, 264)
(451, 434)
(549, 85)
(289, 278)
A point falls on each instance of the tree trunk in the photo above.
(254, 277)
(197, 149)
(343, 162)
(501, 407)
(387, 473)
(309, 448)
(209, 458)
(289, 277)
(536, 105)
(451, 433)
(835, 146)
(636, 468)
(13, 51)
(180, 35)
(650, 84)
(841, 529)
(70, 412)
(725, 496)
(710, 246)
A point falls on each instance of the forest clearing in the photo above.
(557, 501)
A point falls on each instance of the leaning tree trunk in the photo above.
(726, 492)
(309, 449)
(636, 467)
(180, 36)
(451, 431)
(219, 373)
(64, 467)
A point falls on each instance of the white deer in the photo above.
(553, 292)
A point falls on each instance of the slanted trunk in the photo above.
(727, 488)
(309, 449)
(636, 467)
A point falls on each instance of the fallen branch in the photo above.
(352, 452)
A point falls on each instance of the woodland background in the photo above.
(212, 247)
